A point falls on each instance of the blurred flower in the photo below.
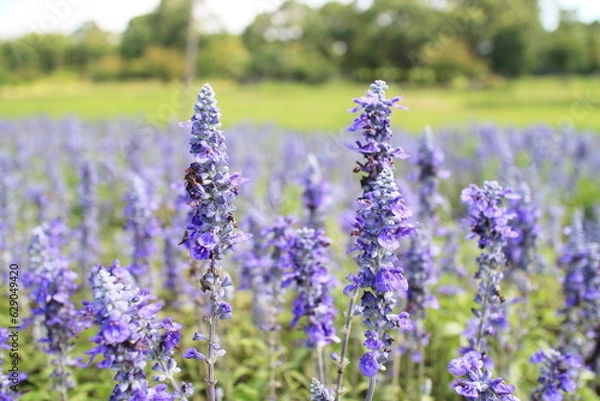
(476, 382)
(313, 283)
(558, 373)
(51, 285)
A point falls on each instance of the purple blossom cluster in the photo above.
(374, 122)
(381, 222)
(263, 267)
(581, 286)
(88, 227)
(558, 375)
(429, 161)
(521, 249)
(130, 336)
(310, 277)
(9, 381)
(318, 392)
(51, 285)
(476, 383)
(490, 222)
(316, 196)
(420, 275)
(211, 233)
(144, 227)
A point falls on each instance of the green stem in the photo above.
(341, 365)
(372, 385)
(321, 365)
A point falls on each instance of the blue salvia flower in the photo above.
(88, 227)
(317, 192)
(52, 284)
(521, 250)
(581, 286)
(313, 283)
(9, 377)
(211, 233)
(380, 224)
(490, 223)
(144, 227)
(263, 266)
(558, 375)
(318, 392)
(429, 160)
(131, 336)
(419, 272)
(374, 121)
(476, 383)
(176, 269)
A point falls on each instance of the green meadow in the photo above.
(573, 102)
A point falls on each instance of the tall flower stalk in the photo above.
(263, 267)
(88, 227)
(52, 284)
(489, 222)
(144, 227)
(316, 194)
(313, 303)
(211, 233)
(380, 223)
(580, 331)
(131, 336)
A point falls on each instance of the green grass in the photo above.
(308, 108)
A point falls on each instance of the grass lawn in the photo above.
(301, 107)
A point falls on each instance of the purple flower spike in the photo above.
(490, 222)
(51, 284)
(211, 231)
(317, 193)
(558, 375)
(318, 392)
(380, 224)
(579, 262)
(476, 383)
(130, 337)
(313, 284)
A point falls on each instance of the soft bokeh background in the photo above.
(512, 62)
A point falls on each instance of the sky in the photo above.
(18, 17)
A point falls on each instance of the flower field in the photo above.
(377, 264)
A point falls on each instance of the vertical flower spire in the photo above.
(316, 194)
(144, 227)
(131, 336)
(88, 227)
(313, 302)
(489, 222)
(558, 374)
(429, 160)
(381, 222)
(580, 259)
(211, 232)
(52, 284)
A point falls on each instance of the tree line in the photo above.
(403, 40)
